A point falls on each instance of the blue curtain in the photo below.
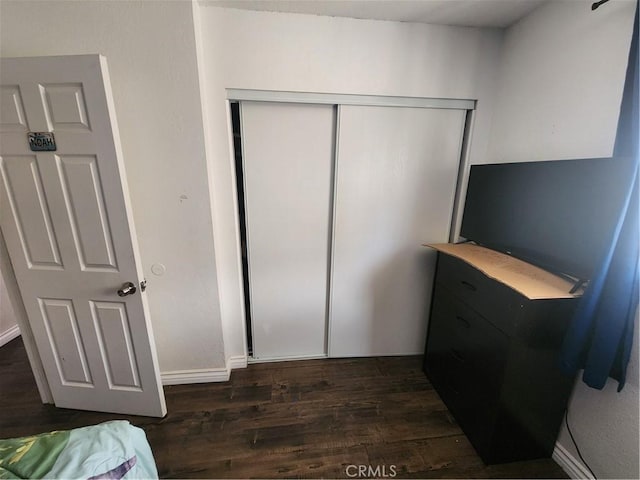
(600, 335)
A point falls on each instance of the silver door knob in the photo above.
(127, 289)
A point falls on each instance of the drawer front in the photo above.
(493, 300)
(466, 342)
(465, 361)
(443, 364)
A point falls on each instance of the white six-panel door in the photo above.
(288, 152)
(66, 219)
(396, 179)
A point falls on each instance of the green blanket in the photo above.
(111, 450)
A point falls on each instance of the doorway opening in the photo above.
(242, 218)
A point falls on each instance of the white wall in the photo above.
(8, 326)
(150, 49)
(561, 83)
(291, 52)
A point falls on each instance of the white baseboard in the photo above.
(571, 465)
(6, 337)
(205, 375)
(239, 361)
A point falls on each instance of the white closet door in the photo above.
(396, 177)
(288, 152)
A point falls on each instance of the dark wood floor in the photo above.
(308, 419)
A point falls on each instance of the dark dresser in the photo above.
(495, 330)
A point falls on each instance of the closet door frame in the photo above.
(338, 100)
(237, 94)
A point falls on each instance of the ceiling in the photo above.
(469, 13)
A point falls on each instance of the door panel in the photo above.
(25, 199)
(81, 187)
(12, 117)
(395, 185)
(65, 106)
(67, 224)
(63, 334)
(112, 324)
(288, 154)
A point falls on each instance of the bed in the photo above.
(110, 450)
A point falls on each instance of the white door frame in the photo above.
(469, 105)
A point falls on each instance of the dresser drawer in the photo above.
(465, 361)
(443, 364)
(465, 341)
(491, 299)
